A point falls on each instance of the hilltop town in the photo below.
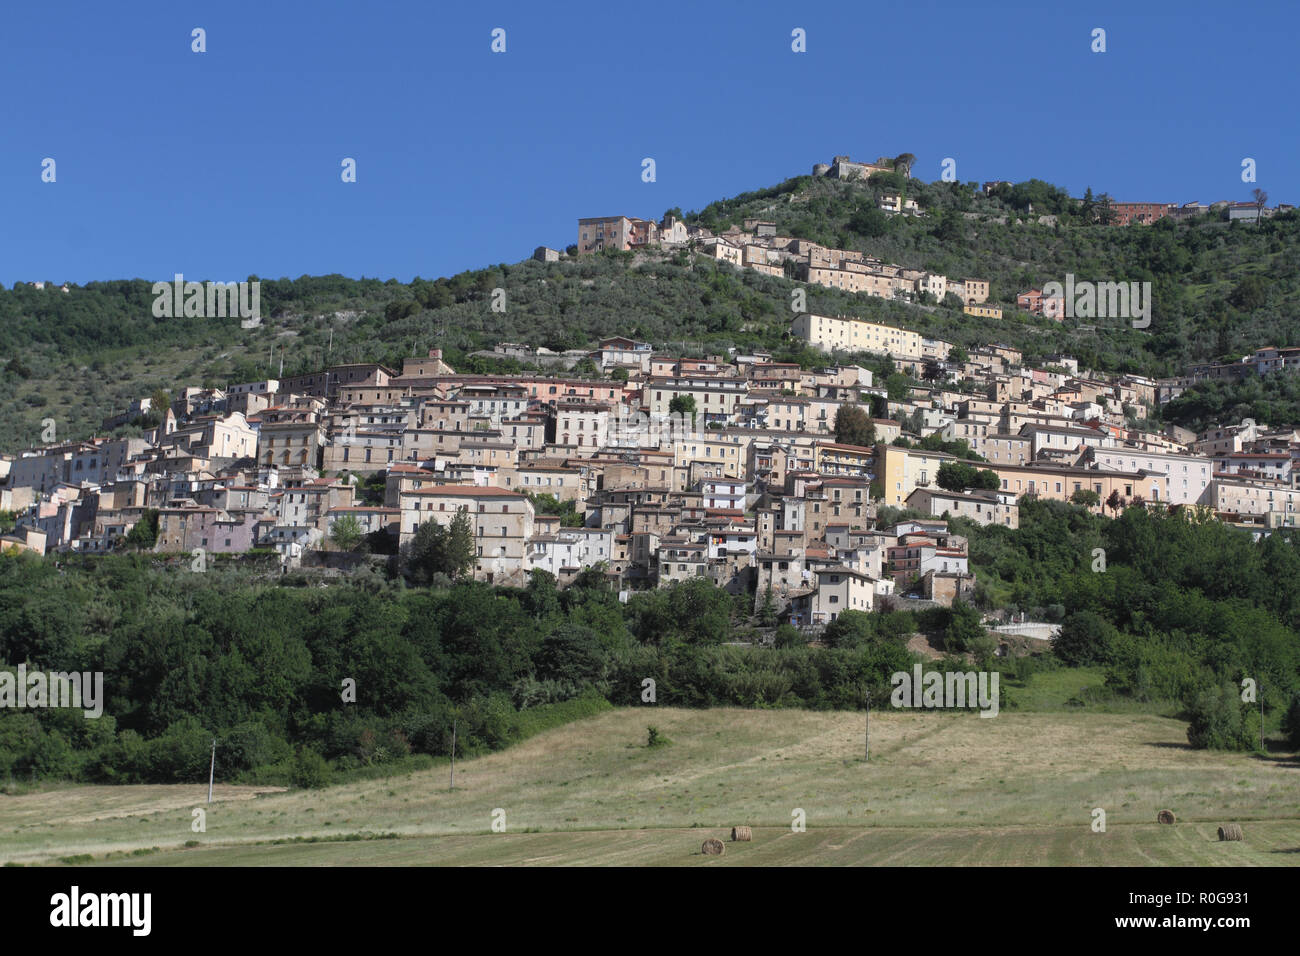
(810, 490)
(813, 490)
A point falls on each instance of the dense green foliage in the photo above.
(1184, 604)
(959, 476)
(261, 665)
(853, 426)
(1271, 400)
(436, 549)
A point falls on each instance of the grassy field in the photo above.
(939, 789)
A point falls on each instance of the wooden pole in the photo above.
(453, 753)
(866, 747)
(212, 768)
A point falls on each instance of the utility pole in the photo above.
(212, 767)
(866, 746)
(453, 753)
(1261, 715)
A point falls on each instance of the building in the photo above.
(501, 522)
(1142, 213)
(858, 335)
(982, 507)
(604, 232)
(1036, 303)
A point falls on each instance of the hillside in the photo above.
(82, 355)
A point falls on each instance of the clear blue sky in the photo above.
(226, 163)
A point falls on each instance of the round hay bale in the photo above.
(741, 834)
(1165, 816)
(713, 847)
(1230, 831)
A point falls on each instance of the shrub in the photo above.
(310, 771)
(1219, 721)
(1291, 723)
(1085, 638)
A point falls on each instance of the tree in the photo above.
(1261, 198)
(683, 405)
(1250, 293)
(460, 546)
(446, 550)
(956, 476)
(850, 629)
(854, 427)
(958, 354)
(541, 598)
(1220, 721)
(1114, 502)
(767, 615)
(1085, 638)
(347, 533)
(144, 533)
(949, 226)
(870, 222)
(898, 386)
(964, 631)
(619, 374)
(1086, 497)
(1291, 723)
(905, 161)
(570, 653)
(159, 402)
(787, 636)
(310, 771)
(1105, 214)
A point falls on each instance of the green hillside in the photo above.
(1220, 289)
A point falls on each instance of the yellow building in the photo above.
(902, 470)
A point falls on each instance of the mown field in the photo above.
(939, 789)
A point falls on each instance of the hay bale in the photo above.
(1165, 816)
(741, 834)
(713, 847)
(1230, 831)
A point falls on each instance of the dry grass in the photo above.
(939, 788)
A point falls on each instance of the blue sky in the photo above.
(227, 163)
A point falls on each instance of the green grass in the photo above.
(1050, 690)
(939, 789)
